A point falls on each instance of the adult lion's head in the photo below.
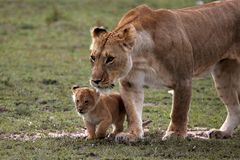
(110, 55)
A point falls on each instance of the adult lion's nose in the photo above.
(96, 81)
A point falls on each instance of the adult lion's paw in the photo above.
(172, 135)
(217, 134)
(124, 137)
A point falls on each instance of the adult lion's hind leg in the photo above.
(226, 75)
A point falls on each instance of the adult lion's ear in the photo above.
(74, 87)
(97, 31)
(127, 36)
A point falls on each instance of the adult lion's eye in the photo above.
(92, 58)
(86, 101)
(109, 59)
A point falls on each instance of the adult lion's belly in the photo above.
(204, 72)
(152, 80)
(151, 75)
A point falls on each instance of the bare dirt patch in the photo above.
(198, 133)
(195, 133)
(59, 134)
(21, 136)
(34, 136)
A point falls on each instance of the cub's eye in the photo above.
(92, 58)
(77, 101)
(86, 101)
(109, 59)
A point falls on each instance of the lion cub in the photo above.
(99, 111)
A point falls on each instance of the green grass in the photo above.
(44, 51)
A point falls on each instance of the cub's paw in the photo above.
(125, 137)
(217, 134)
(173, 135)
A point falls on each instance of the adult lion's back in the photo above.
(212, 29)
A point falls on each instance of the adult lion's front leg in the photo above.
(180, 108)
(133, 97)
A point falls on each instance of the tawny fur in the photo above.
(99, 111)
(168, 48)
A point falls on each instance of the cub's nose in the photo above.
(97, 81)
(80, 110)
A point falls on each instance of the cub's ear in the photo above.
(97, 31)
(97, 94)
(74, 87)
(127, 36)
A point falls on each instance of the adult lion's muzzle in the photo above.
(101, 86)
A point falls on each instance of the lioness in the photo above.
(99, 111)
(168, 48)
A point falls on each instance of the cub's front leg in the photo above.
(91, 130)
(103, 126)
(133, 97)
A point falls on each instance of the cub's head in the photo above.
(111, 55)
(85, 99)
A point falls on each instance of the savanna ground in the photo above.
(44, 51)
